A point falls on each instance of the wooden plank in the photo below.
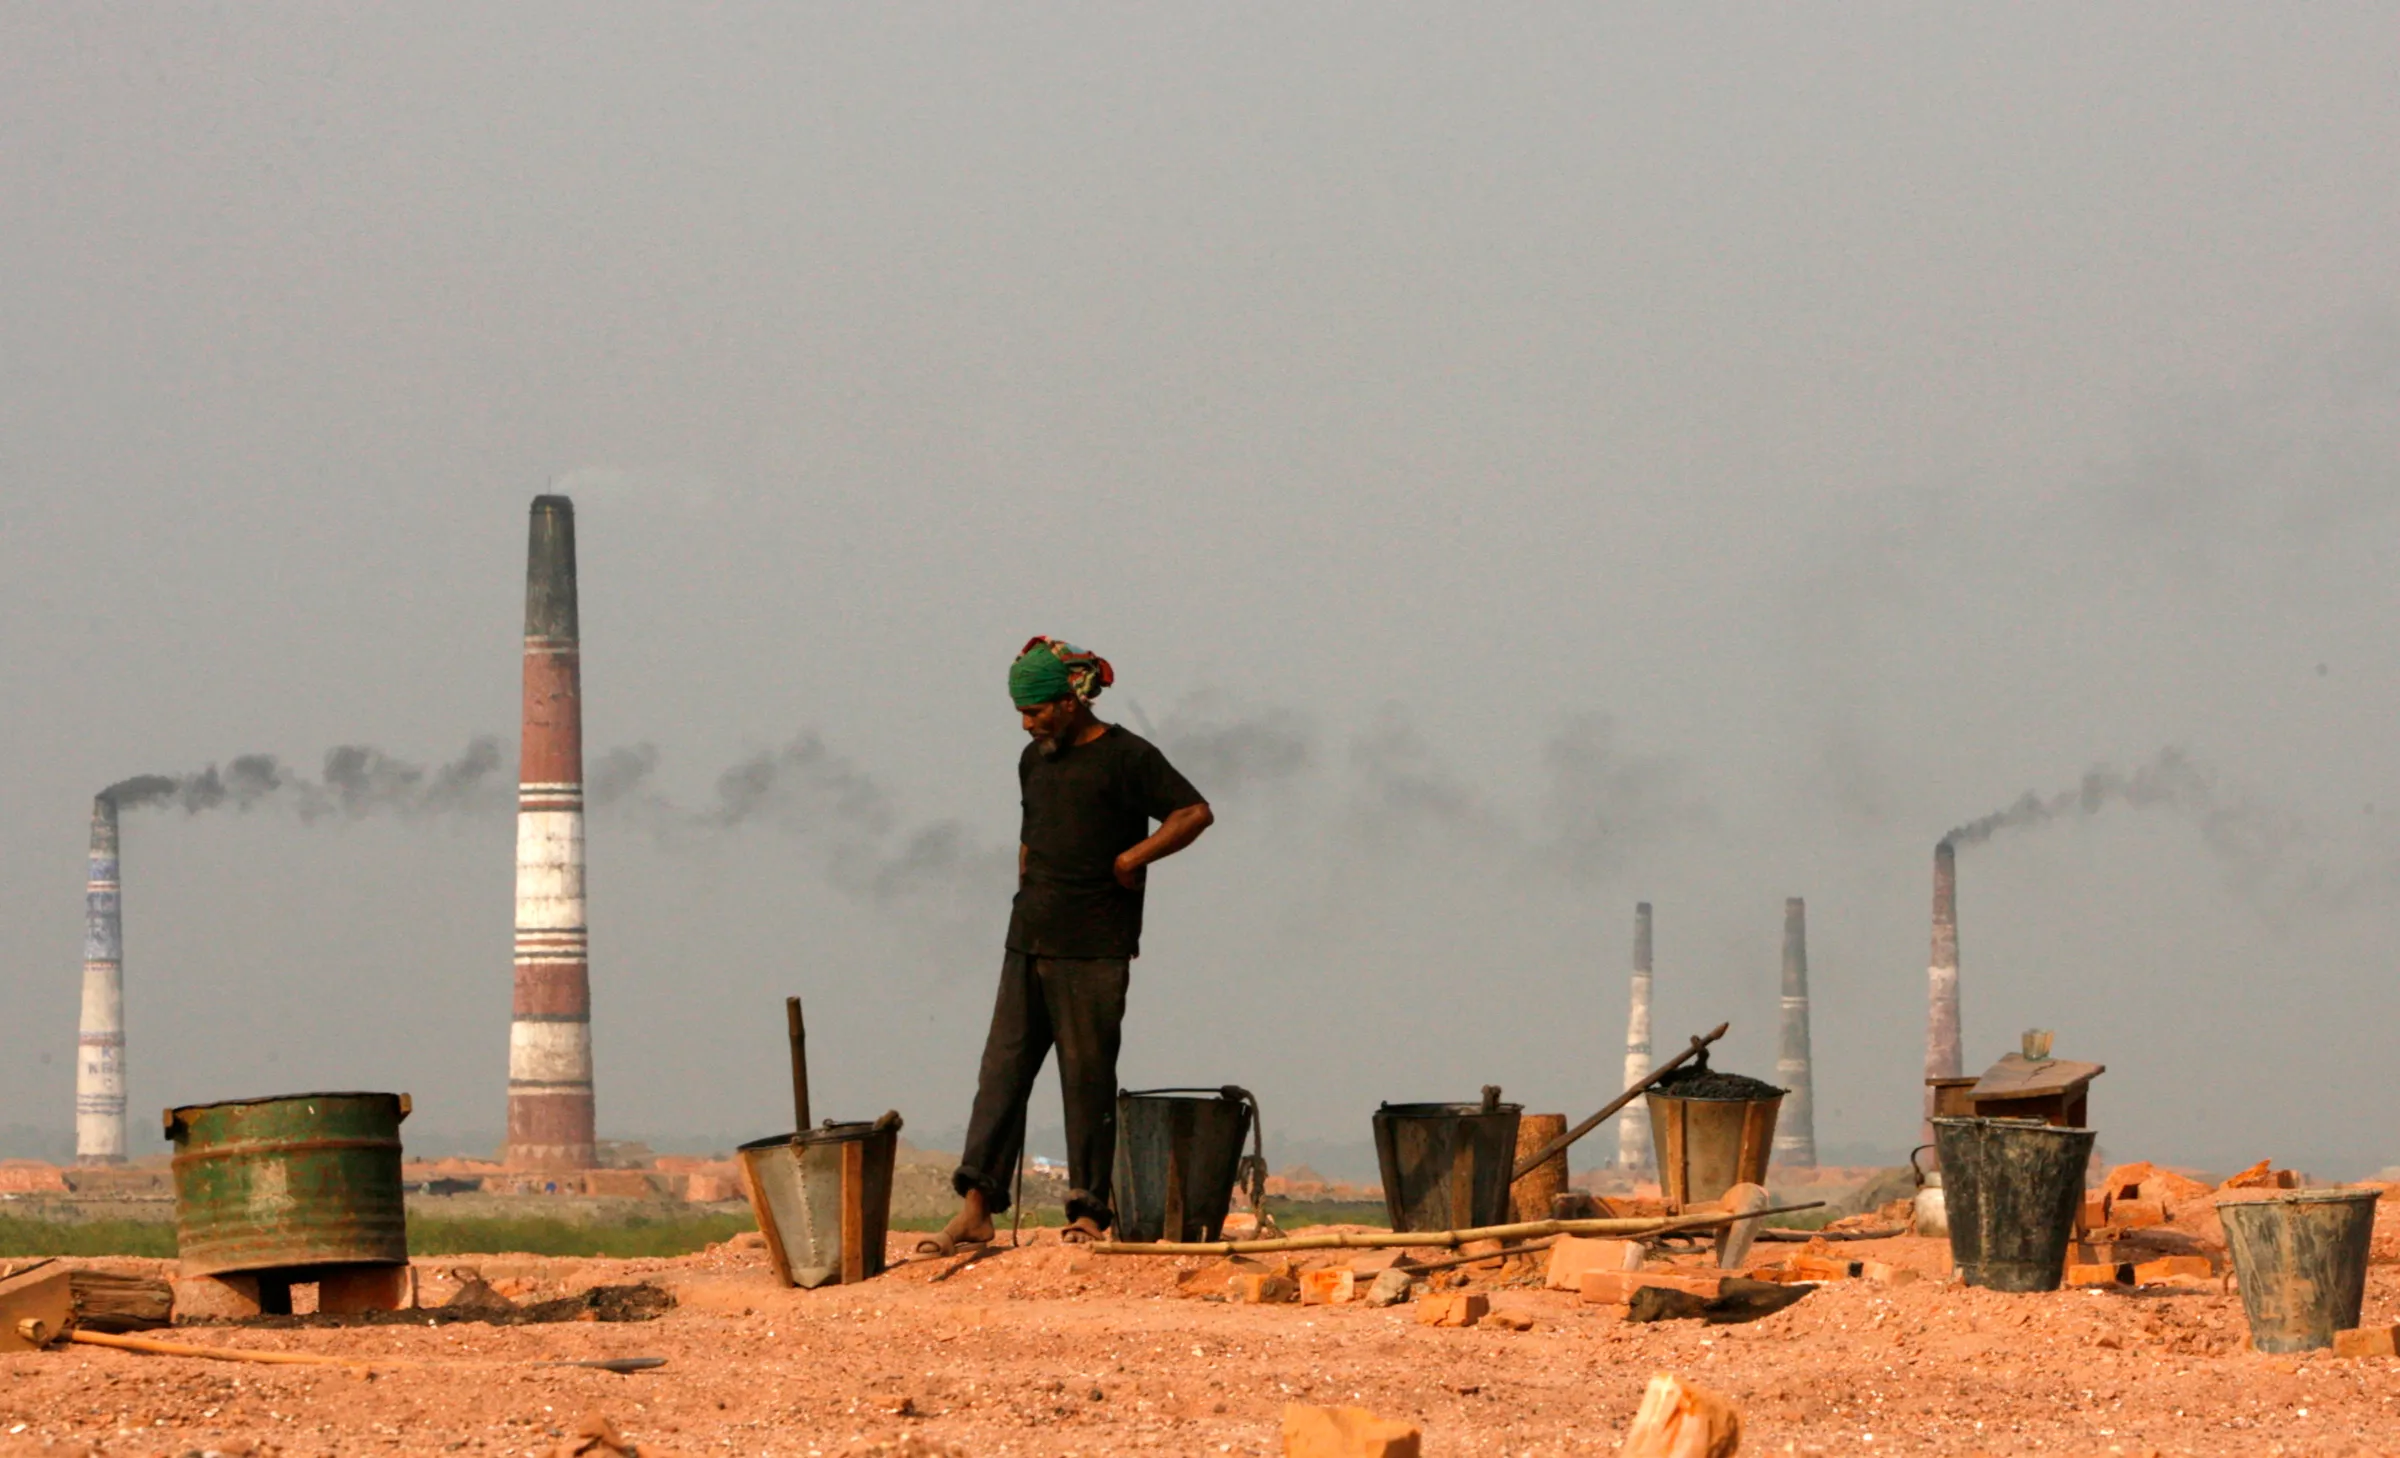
(36, 1308)
(108, 1301)
(854, 1213)
(2019, 1077)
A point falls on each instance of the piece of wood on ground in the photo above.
(1733, 1241)
(152, 1346)
(1346, 1432)
(36, 1307)
(111, 1301)
(1680, 1419)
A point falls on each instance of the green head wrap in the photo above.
(1049, 670)
(1037, 678)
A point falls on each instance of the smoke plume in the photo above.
(2264, 851)
(357, 781)
(1597, 805)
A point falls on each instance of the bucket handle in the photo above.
(1251, 1171)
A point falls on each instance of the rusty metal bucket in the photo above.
(1447, 1166)
(2011, 1187)
(289, 1184)
(2301, 1259)
(823, 1199)
(1707, 1146)
(1178, 1157)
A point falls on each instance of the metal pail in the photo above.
(2010, 1189)
(301, 1180)
(1446, 1166)
(1707, 1146)
(1177, 1159)
(2302, 1261)
(823, 1199)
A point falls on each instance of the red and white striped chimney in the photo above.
(550, 1122)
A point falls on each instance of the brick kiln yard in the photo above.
(1054, 1350)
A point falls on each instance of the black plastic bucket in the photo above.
(2011, 1187)
(1446, 1166)
(1178, 1156)
(2302, 1262)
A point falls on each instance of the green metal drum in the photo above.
(304, 1180)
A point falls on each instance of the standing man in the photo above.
(1090, 791)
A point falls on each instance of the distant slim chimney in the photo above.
(100, 1040)
(1633, 1126)
(1942, 1056)
(550, 1119)
(1796, 1130)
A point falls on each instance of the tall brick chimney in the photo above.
(1633, 1126)
(1942, 1056)
(1796, 1128)
(100, 1036)
(550, 1120)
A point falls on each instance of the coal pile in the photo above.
(1708, 1083)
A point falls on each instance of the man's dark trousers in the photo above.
(1078, 1004)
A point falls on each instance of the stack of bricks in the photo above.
(2121, 1237)
(30, 1177)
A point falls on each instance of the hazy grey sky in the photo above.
(1530, 463)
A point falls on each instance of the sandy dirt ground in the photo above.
(1053, 1350)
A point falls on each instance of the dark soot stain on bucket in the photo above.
(1708, 1083)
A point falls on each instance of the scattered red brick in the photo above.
(1328, 1287)
(2125, 1181)
(2167, 1268)
(2171, 1189)
(1346, 1432)
(2137, 1214)
(1255, 1289)
(1453, 1308)
(2367, 1341)
(1573, 1255)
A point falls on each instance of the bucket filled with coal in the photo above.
(1712, 1130)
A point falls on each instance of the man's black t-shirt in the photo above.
(1083, 806)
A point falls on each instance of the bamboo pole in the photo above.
(1533, 1161)
(1532, 1247)
(152, 1346)
(1452, 1239)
